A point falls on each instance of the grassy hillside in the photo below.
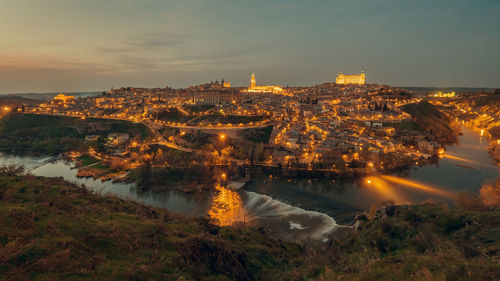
(434, 122)
(420, 242)
(55, 134)
(52, 230)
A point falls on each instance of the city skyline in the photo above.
(85, 46)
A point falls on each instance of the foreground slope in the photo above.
(53, 230)
(50, 229)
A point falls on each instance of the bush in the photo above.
(11, 170)
(470, 202)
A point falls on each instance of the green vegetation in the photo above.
(437, 124)
(257, 135)
(86, 159)
(55, 134)
(172, 114)
(198, 108)
(420, 242)
(161, 179)
(53, 230)
(404, 126)
(229, 119)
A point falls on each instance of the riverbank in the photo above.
(77, 235)
(40, 133)
(50, 229)
(444, 175)
(464, 167)
(292, 204)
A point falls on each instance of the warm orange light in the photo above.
(6, 108)
(227, 207)
(453, 157)
(222, 136)
(416, 185)
(383, 189)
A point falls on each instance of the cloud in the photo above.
(159, 51)
(158, 40)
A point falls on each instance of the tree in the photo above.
(226, 152)
(159, 156)
(490, 194)
(117, 164)
(144, 176)
(100, 144)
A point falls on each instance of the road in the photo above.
(212, 127)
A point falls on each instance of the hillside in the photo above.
(54, 134)
(432, 121)
(52, 230)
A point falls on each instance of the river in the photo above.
(303, 209)
(464, 167)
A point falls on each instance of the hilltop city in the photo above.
(344, 128)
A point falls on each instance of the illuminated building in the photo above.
(440, 94)
(117, 138)
(263, 89)
(213, 97)
(351, 79)
(63, 98)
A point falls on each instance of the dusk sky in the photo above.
(92, 45)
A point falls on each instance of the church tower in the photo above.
(252, 82)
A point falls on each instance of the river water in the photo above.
(305, 209)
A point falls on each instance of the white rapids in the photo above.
(309, 224)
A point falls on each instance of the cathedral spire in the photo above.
(252, 82)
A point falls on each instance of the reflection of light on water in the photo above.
(384, 186)
(227, 207)
(384, 189)
(416, 185)
(453, 157)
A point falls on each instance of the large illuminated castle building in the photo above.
(263, 89)
(351, 79)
